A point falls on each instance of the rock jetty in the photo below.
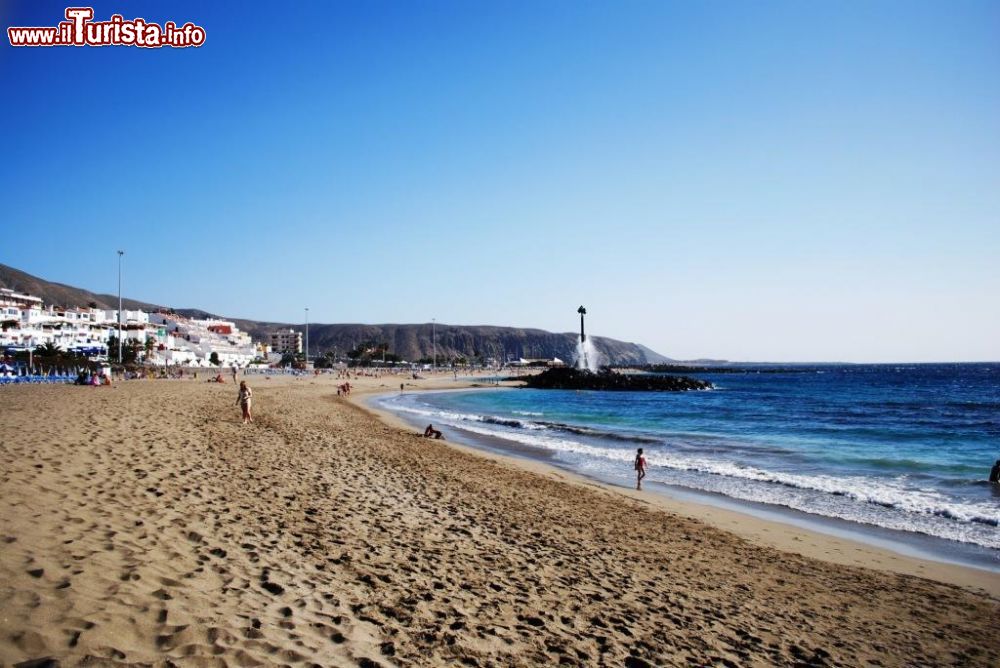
(575, 379)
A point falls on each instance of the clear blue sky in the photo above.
(754, 181)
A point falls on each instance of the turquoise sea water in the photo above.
(901, 447)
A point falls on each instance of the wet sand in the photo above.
(145, 524)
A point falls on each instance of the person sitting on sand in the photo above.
(640, 469)
(995, 472)
(244, 399)
(431, 432)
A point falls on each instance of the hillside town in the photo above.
(159, 338)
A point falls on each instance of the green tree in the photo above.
(130, 350)
(130, 353)
(325, 361)
(214, 358)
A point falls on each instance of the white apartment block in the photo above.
(164, 338)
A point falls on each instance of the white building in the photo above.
(8, 296)
(163, 338)
(178, 337)
(129, 317)
(27, 325)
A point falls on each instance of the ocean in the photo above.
(904, 449)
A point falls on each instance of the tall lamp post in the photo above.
(434, 343)
(307, 336)
(120, 254)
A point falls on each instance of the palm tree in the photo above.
(48, 349)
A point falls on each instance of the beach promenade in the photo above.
(144, 524)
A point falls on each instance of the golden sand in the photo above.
(144, 524)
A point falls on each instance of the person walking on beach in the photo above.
(244, 399)
(640, 468)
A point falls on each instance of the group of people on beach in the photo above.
(93, 379)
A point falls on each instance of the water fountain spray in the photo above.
(586, 354)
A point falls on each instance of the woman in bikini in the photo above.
(244, 399)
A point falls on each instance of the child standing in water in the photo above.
(244, 399)
(640, 469)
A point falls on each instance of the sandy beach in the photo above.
(144, 524)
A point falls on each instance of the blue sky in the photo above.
(753, 181)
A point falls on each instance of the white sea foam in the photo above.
(587, 356)
(854, 498)
(816, 503)
(890, 493)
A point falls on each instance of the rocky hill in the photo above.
(408, 341)
(59, 294)
(413, 342)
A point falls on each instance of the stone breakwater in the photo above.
(605, 380)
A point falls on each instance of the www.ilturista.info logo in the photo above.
(80, 30)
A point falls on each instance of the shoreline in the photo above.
(144, 524)
(731, 515)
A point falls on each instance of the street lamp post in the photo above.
(434, 343)
(307, 336)
(120, 254)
